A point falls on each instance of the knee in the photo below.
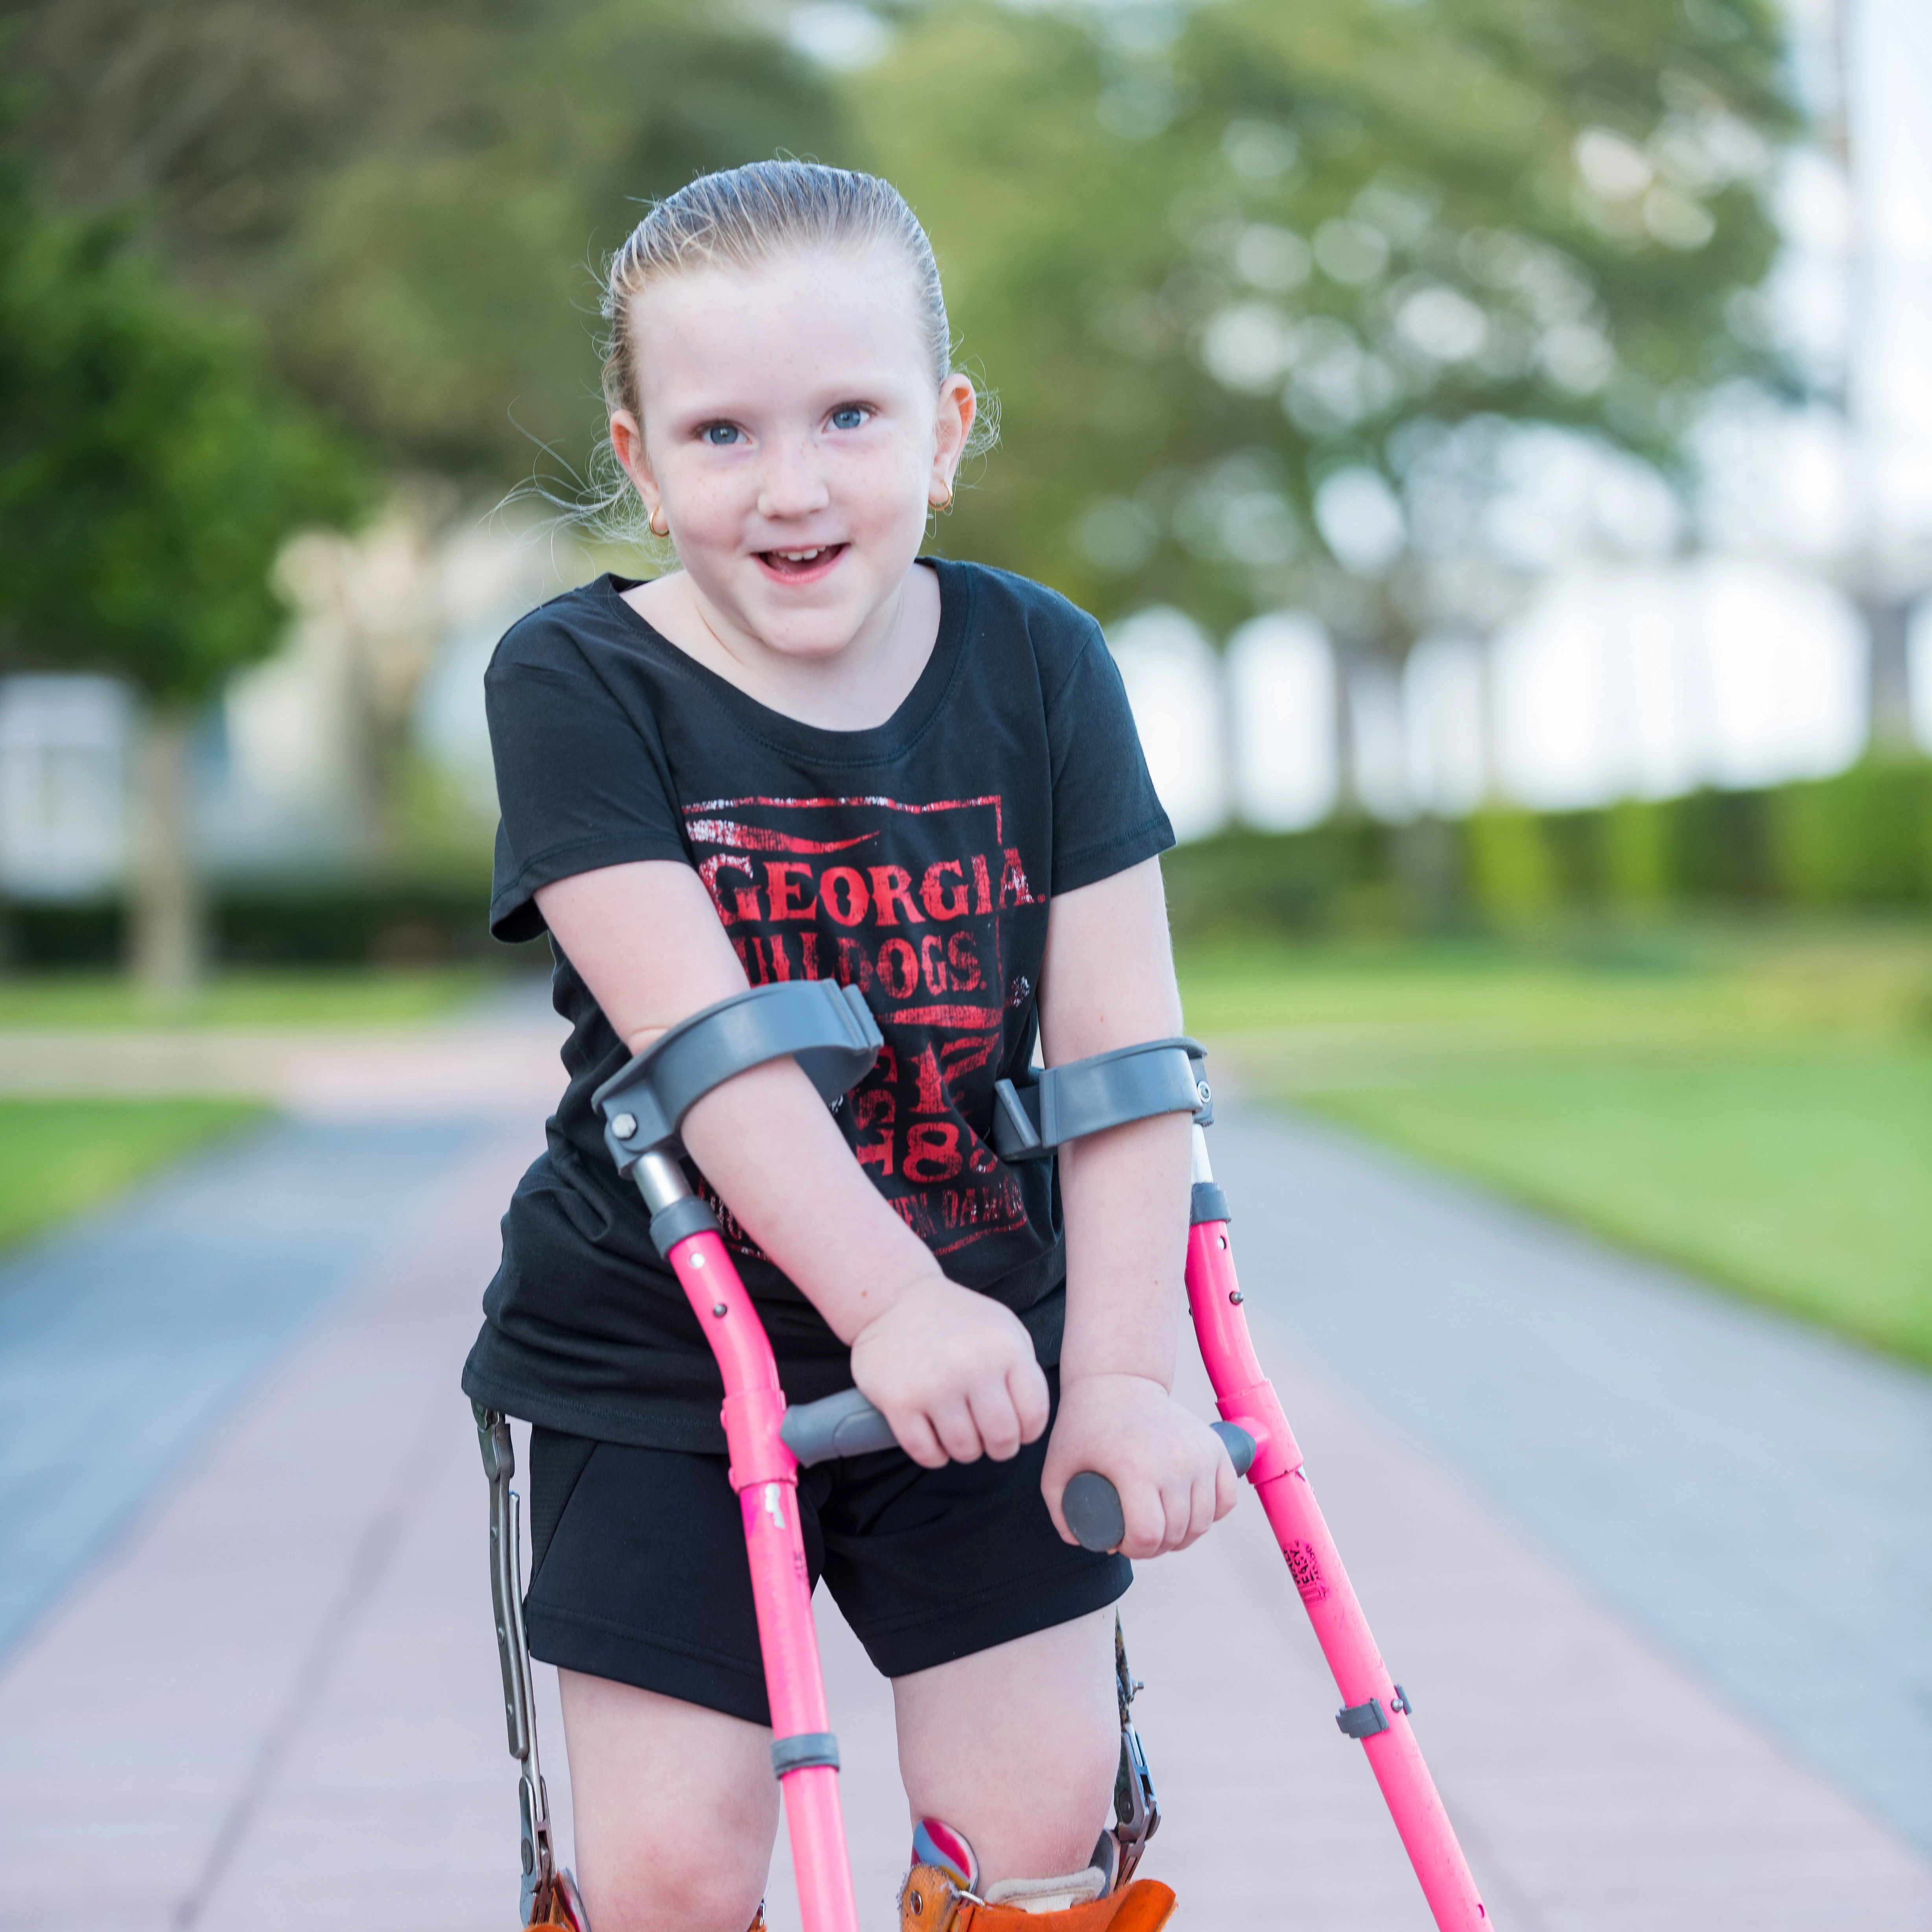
(676, 1810)
(701, 1884)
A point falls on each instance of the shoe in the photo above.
(940, 1895)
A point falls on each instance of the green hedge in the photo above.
(1862, 839)
(432, 920)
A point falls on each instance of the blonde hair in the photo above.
(740, 217)
(737, 218)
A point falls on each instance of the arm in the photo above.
(1109, 981)
(953, 1371)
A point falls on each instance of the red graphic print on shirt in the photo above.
(905, 902)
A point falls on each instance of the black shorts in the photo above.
(640, 1574)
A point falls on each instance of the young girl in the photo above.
(808, 752)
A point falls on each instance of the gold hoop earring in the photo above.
(660, 523)
(941, 504)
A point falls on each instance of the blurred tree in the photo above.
(146, 481)
(1273, 294)
(411, 198)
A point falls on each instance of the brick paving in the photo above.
(272, 1702)
(1754, 1493)
(125, 1337)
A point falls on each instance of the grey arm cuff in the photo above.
(827, 1028)
(1086, 1096)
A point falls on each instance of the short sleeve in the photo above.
(580, 783)
(1106, 814)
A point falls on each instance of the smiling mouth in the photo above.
(802, 565)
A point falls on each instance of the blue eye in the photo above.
(850, 416)
(719, 434)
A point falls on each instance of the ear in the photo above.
(627, 440)
(958, 406)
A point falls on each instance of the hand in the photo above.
(1174, 1479)
(954, 1373)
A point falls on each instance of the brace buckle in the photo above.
(1136, 1807)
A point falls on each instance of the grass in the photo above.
(59, 1156)
(346, 997)
(1756, 1105)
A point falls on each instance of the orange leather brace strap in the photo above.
(929, 1903)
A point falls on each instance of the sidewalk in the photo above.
(272, 1700)
(1754, 1493)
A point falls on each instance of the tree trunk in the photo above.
(1348, 788)
(1888, 620)
(167, 916)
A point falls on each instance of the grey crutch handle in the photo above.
(847, 1424)
(1091, 1504)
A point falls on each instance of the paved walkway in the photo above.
(124, 1338)
(271, 1699)
(1754, 1493)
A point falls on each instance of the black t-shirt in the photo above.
(915, 857)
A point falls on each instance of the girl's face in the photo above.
(794, 440)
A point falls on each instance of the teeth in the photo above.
(803, 556)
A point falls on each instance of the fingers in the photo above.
(996, 1419)
(1227, 1487)
(959, 1382)
(1027, 1385)
(916, 1437)
(953, 1423)
(1174, 1513)
(993, 1419)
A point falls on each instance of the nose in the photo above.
(793, 483)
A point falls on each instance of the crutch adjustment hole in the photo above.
(1235, 1295)
(718, 1309)
(1220, 1241)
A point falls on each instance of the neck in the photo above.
(859, 686)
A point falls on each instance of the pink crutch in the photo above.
(830, 1032)
(1166, 1076)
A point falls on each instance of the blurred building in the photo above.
(1615, 683)
(381, 669)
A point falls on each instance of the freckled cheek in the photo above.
(708, 509)
(886, 500)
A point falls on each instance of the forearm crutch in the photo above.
(831, 1033)
(1167, 1076)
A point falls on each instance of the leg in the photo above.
(1016, 1747)
(676, 1809)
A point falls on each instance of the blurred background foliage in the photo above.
(409, 202)
(1439, 224)
(1269, 297)
(1444, 220)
